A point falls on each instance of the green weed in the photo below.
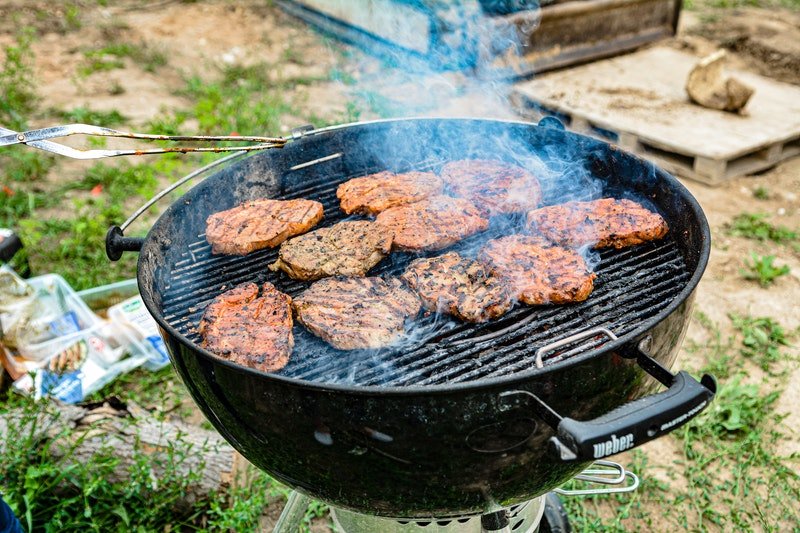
(754, 226)
(761, 193)
(17, 82)
(112, 57)
(84, 115)
(24, 164)
(763, 269)
(763, 339)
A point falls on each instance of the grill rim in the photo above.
(685, 294)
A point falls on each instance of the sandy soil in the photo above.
(197, 36)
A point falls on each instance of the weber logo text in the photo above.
(614, 445)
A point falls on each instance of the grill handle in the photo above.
(636, 422)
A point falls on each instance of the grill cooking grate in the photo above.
(632, 285)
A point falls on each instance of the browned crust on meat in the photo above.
(494, 187)
(460, 287)
(347, 248)
(356, 313)
(539, 274)
(432, 224)
(369, 195)
(250, 329)
(605, 223)
(260, 224)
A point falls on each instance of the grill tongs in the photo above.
(40, 139)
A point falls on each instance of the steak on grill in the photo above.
(494, 187)
(260, 224)
(348, 248)
(538, 273)
(250, 329)
(355, 313)
(604, 223)
(369, 195)
(433, 223)
(460, 287)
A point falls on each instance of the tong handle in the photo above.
(40, 139)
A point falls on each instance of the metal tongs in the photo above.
(40, 139)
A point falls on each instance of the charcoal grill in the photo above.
(459, 418)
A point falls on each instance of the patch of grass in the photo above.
(755, 227)
(243, 100)
(761, 193)
(16, 204)
(17, 82)
(84, 115)
(763, 339)
(717, 352)
(112, 57)
(763, 270)
(24, 164)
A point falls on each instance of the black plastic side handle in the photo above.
(116, 243)
(634, 423)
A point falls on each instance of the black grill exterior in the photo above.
(460, 419)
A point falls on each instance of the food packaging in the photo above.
(141, 330)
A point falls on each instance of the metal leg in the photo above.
(293, 513)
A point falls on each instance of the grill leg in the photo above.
(293, 512)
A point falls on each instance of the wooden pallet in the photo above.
(638, 102)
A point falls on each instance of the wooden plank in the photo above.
(639, 100)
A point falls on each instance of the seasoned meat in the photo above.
(250, 329)
(537, 273)
(457, 286)
(432, 224)
(344, 249)
(494, 187)
(598, 223)
(355, 313)
(377, 192)
(260, 224)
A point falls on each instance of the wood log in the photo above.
(79, 432)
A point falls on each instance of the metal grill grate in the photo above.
(632, 286)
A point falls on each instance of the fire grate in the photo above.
(632, 286)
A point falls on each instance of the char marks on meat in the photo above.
(348, 248)
(605, 223)
(460, 287)
(432, 224)
(494, 187)
(356, 313)
(250, 329)
(538, 273)
(260, 224)
(369, 195)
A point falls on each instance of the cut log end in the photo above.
(708, 86)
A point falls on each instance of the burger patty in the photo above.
(537, 273)
(372, 194)
(345, 249)
(250, 329)
(494, 187)
(260, 224)
(459, 287)
(604, 223)
(433, 223)
(356, 313)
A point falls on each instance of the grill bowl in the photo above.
(427, 428)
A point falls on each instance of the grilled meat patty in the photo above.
(460, 287)
(260, 224)
(348, 248)
(604, 223)
(250, 329)
(355, 313)
(369, 195)
(537, 273)
(494, 187)
(433, 223)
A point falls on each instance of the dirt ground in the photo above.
(197, 36)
